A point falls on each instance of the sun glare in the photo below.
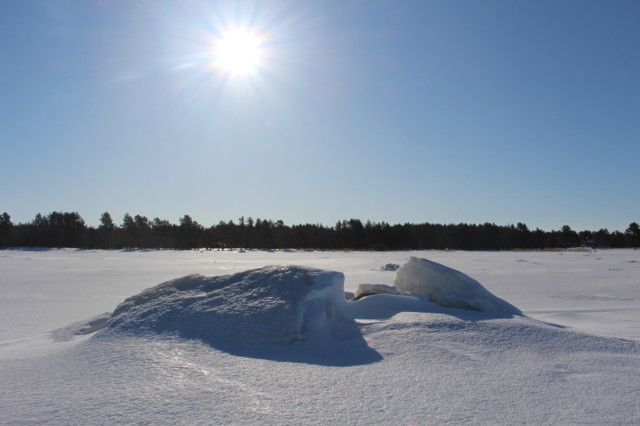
(238, 53)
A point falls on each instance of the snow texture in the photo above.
(277, 305)
(449, 288)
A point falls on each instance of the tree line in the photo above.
(68, 229)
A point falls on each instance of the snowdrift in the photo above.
(262, 312)
(271, 305)
(286, 304)
(449, 288)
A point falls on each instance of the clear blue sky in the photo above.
(404, 111)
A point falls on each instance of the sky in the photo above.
(433, 111)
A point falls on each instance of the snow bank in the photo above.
(270, 305)
(448, 287)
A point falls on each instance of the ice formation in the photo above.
(270, 305)
(449, 288)
(365, 290)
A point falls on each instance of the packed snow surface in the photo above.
(448, 287)
(243, 343)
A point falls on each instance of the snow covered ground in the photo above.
(573, 358)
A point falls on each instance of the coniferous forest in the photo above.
(68, 229)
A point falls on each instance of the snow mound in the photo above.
(449, 288)
(271, 305)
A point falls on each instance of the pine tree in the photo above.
(106, 222)
(632, 235)
(5, 229)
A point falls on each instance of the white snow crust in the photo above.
(448, 287)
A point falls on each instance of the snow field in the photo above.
(411, 361)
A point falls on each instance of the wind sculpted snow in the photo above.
(257, 313)
(263, 313)
(449, 288)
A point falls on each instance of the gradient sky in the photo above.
(404, 111)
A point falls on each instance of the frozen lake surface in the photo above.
(572, 358)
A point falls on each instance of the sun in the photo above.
(238, 53)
